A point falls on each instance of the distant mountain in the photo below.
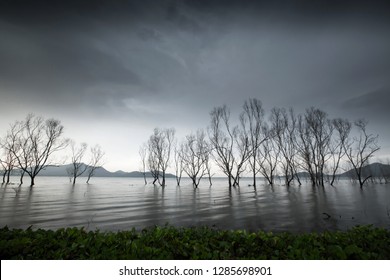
(374, 169)
(62, 170)
(372, 105)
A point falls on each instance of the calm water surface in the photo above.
(124, 203)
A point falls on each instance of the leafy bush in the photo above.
(362, 242)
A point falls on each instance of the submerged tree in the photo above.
(268, 157)
(221, 137)
(195, 156)
(8, 160)
(77, 166)
(160, 146)
(143, 153)
(37, 140)
(342, 129)
(152, 163)
(284, 127)
(315, 132)
(96, 161)
(178, 162)
(252, 120)
(208, 167)
(243, 150)
(360, 150)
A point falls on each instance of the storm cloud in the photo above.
(141, 64)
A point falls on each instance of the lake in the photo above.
(123, 203)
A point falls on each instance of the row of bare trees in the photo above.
(78, 167)
(191, 156)
(29, 145)
(284, 144)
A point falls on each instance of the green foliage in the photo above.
(362, 242)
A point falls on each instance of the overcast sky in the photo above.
(111, 71)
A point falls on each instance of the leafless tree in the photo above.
(360, 149)
(342, 128)
(37, 140)
(243, 150)
(77, 167)
(8, 160)
(284, 126)
(9, 144)
(96, 162)
(222, 141)
(143, 153)
(178, 162)
(153, 163)
(160, 146)
(194, 155)
(268, 157)
(3, 170)
(252, 120)
(315, 132)
(208, 167)
(386, 173)
(230, 145)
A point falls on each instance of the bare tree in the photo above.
(194, 155)
(96, 161)
(268, 157)
(143, 153)
(8, 161)
(37, 140)
(179, 162)
(337, 145)
(242, 148)
(77, 167)
(230, 144)
(252, 120)
(160, 146)
(315, 132)
(6, 170)
(153, 162)
(208, 166)
(284, 126)
(386, 174)
(222, 141)
(360, 150)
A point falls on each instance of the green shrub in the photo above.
(361, 242)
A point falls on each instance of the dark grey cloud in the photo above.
(168, 63)
(372, 105)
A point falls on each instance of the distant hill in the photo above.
(61, 170)
(373, 169)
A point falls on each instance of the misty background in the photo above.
(111, 71)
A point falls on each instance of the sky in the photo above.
(112, 71)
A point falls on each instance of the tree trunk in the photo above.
(163, 179)
(230, 181)
(32, 181)
(21, 177)
(4, 175)
(8, 175)
(89, 177)
(144, 178)
(333, 179)
(254, 178)
(211, 183)
(194, 181)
